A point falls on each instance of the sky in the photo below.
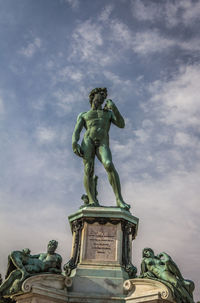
(147, 54)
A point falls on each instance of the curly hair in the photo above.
(53, 242)
(95, 91)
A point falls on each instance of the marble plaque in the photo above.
(101, 242)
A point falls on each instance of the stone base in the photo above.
(99, 280)
(58, 289)
(147, 290)
(46, 288)
(101, 250)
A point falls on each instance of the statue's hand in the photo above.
(77, 149)
(109, 104)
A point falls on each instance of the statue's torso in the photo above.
(97, 124)
(50, 260)
(155, 266)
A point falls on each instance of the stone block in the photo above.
(147, 290)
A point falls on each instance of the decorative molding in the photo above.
(77, 227)
(44, 281)
(146, 288)
(128, 233)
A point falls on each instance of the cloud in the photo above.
(149, 42)
(145, 11)
(186, 140)
(2, 110)
(65, 99)
(31, 48)
(43, 223)
(45, 135)
(106, 12)
(178, 99)
(92, 42)
(167, 139)
(87, 39)
(120, 32)
(74, 3)
(171, 13)
(69, 73)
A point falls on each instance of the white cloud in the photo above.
(106, 12)
(174, 13)
(45, 135)
(87, 39)
(184, 139)
(95, 42)
(31, 48)
(66, 100)
(91, 42)
(192, 45)
(145, 11)
(178, 99)
(69, 72)
(73, 3)
(120, 32)
(43, 223)
(1, 107)
(191, 11)
(117, 80)
(163, 198)
(142, 135)
(150, 42)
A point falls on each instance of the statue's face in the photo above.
(148, 253)
(51, 247)
(26, 251)
(98, 99)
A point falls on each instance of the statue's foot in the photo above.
(122, 204)
(93, 204)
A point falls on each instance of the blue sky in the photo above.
(147, 53)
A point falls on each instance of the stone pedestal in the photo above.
(100, 269)
(45, 288)
(101, 252)
(48, 288)
(147, 290)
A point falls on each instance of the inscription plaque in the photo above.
(101, 242)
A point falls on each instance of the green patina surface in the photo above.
(95, 143)
(165, 270)
(21, 265)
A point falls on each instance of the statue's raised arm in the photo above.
(95, 142)
(116, 118)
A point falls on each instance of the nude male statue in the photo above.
(97, 123)
(21, 265)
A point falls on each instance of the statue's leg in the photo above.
(104, 155)
(88, 161)
(16, 274)
(178, 284)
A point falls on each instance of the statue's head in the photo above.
(52, 245)
(99, 93)
(26, 251)
(147, 252)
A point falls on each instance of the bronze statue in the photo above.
(164, 269)
(21, 265)
(97, 123)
